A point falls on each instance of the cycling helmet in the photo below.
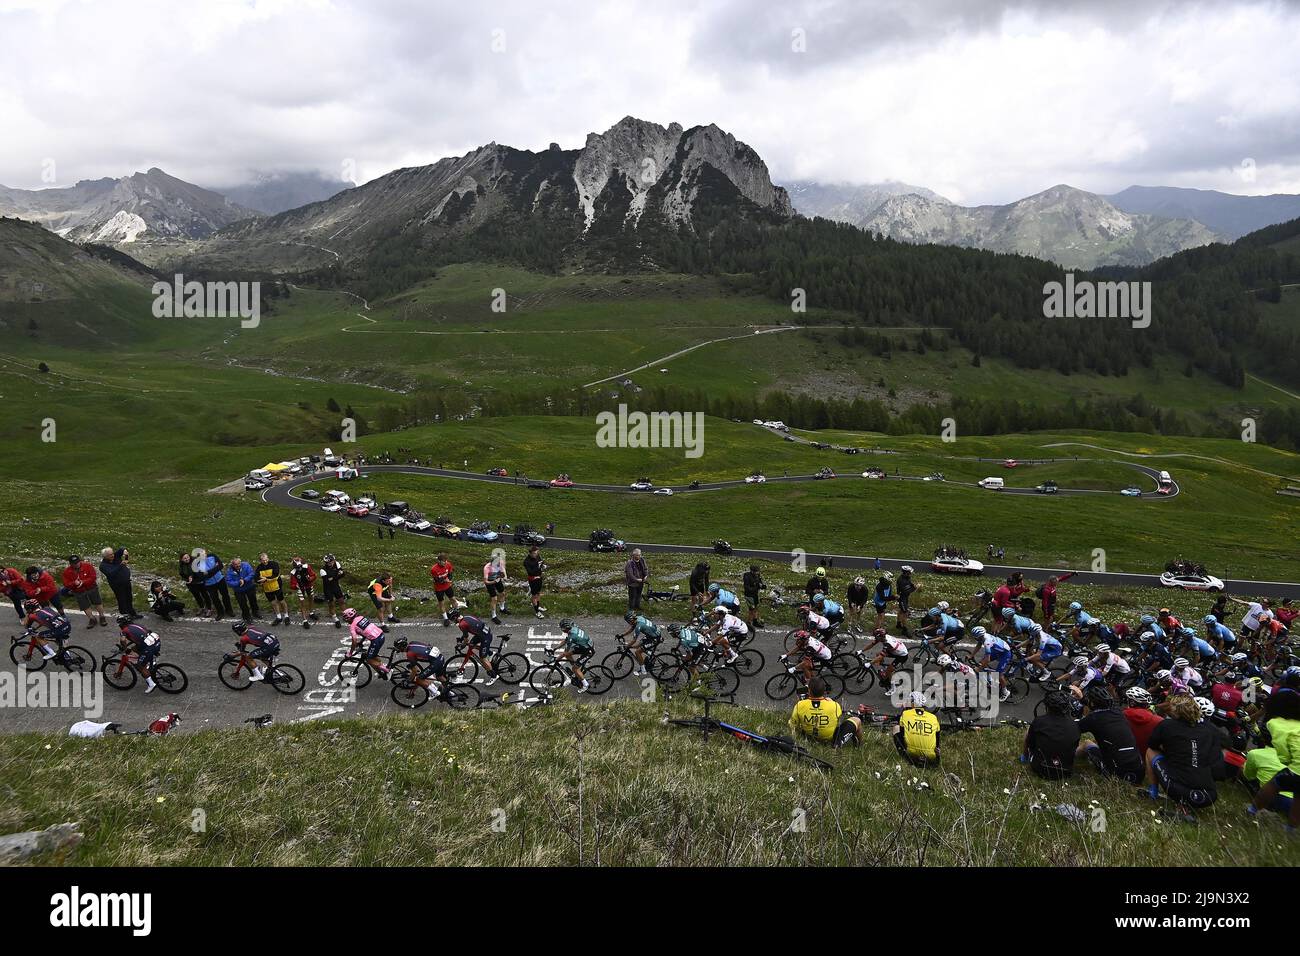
(329, 557)
(1075, 606)
(453, 613)
(819, 598)
(239, 627)
(1187, 632)
(630, 617)
(879, 633)
(1148, 619)
(566, 625)
(1164, 612)
(1291, 672)
(943, 605)
(886, 575)
(944, 660)
(1079, 661)
(1102, 648)
(1240, 656)
(30, 605)
(1099, 697)
(906, 569)
(860, 582)
(916, 699)
(349, 613)
(400, 644)
(1206, 705)
(820, 572)
(1164, 674)
(1008, 612)
(675, 630)
(1181, 662)
(714, 588)
(978, 632)
(722, 610)
(124, 619)
(1209, 619)
(934, 612)
(1138, 695)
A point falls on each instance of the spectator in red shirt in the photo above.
(1046, 593)
(11, 583)
(80, 579)
(443, 589)
(1006, 596)
(39, 585)
(1286, 612)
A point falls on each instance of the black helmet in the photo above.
(400, 644)
(453, 614)
(675, 630)
(1099, 697)
(239, 627)
(630, 617)
(566, 625)
(124, 619)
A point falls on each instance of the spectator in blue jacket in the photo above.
(214, 572)
(242, 579)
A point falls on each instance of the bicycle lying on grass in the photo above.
(708, 724)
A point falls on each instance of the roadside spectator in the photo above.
(534, 570)
(39, 585)
(1007, 595)
(817, 584)
(752, 585)
(494, 580)
(905, 586)
(917, 735)
(116, 569)
(443, 588)
(1046, 594)
(163, 602)
(242, 580)
(11, 580)
(194, 583)
(699, 585)
(381, 595)
(1052, 739)
(1262, 765)
(331, 577)
(1182, 754)
(79, 580)
(636, 573)
(214, 572)
(268, 576)
(303, 578)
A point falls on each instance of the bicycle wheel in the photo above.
(748, 663)
(461, 696)
(1040, 708)
(353, 671)
(720, 683)
(235, 675)
(860, 680)
(119, 674)
(77, 660)
(662, 665)
(511, 668)
(843, 664)
(547, 679)
(409, 695)
(27, 654)
(286, 678)
(1018, 688)
(674, 678)
(788, 641)
(170, 678)
(619, 663)
(462, 669)
(834, 685)
(781, 686)
(599, 679)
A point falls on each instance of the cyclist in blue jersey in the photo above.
(1223, 637)
(947, 628)
(996, 653)
(45, 626)
(827, 608)
(426, 665)
(1193, 643)
(720, 595)
(1045, 648)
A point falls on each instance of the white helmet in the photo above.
(1206, 705)
(906, 569)
(944, 660)
(1181, 662)
(1138, 695)
(1080, 661)
(916, 699)
(1164, 675)
(943, 605)
(1103, 648)
(978, 632)
(1240, 656)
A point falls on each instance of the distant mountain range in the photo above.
(1228, 215)
(271, 193)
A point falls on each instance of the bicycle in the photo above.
(708, 724)
(71, 657)
(550, 676)
(463, 663)
(707, 667)
(408, 692)
(122, 669)
(358, 670)
(781, 686)
(236, 672)
(622, 661)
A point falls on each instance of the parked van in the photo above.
(994, 484)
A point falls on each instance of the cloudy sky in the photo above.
(981, 101)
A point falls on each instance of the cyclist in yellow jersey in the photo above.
(821, 718)
(917, 736)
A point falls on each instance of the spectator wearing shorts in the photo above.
(494, 581)
(331, 582)
(381, 596)
(535, 569)
(80, 581)
(444, 591)
(268, 578)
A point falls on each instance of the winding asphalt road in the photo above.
(282, 494)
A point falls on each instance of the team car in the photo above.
(823, 474)
(1010, 463)
(874, 473)
(642, 484)
(757, 478)
(1047, 488)
(331, 506)
(602, 539)
(663, 491)
(445, 528)
(311, 494)
(1191, 581)
(526, 534)
(481, 532)
(417, 522)
(952, 564)
(368, 502)
(934, 476)
(561, 481)
(1132, 491)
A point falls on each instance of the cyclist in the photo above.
(257, 644)
(953, 666)
(478, 635)
(830, 610)
(906, 586)
(724, 628)
(45, 626)
(809, 651)
(576, 648)
(892, 648)
(1110, 663)
(427, 666)
(1046, 648)
(821, 718)
(142, 642)
(720, 596)
(1083, 624)
(1195, 644)
(1185, 673)
(917, 734)
(813, 621)
(1222, 636)
(881, 597)
(1081, 674)
(947, 628)
(362, 630)
(645, 634)
(996, 653)
(690, 642)
(856, 596)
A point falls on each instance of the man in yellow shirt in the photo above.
(917, 736)
(821, 718)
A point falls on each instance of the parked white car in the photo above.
(1191, 582)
